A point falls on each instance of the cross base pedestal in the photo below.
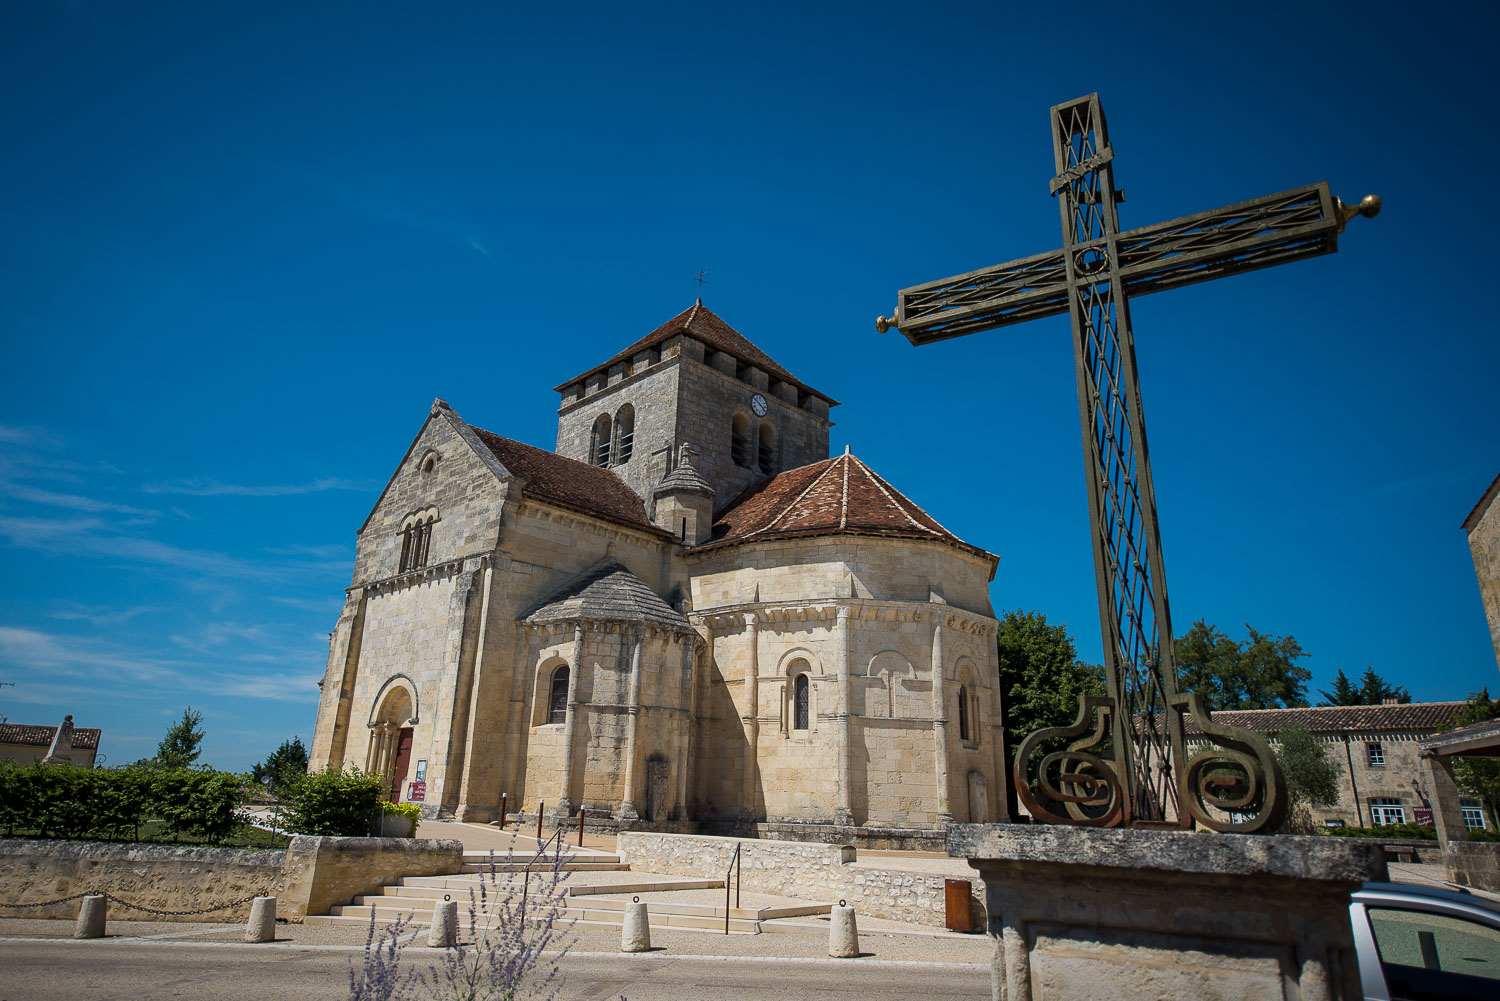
(1143, 914)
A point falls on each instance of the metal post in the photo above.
(540, 806)
(582, 816)
(502, 811)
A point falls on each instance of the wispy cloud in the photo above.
(213, 488)
(328, 605)
(76, 502)
(331, 551)
(30, 437)
(69, 666)
(102, 616)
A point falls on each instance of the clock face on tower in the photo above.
(758, 404)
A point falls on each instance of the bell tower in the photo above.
(694, 380)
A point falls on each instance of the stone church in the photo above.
(687, 617)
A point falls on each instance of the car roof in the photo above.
(1414, 894)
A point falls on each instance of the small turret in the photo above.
(683, 501)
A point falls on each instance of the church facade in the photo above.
(688, 615)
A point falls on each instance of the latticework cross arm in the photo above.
(1288, 226)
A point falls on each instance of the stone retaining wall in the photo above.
(804, 869)
(312, 875)
(1473, 863)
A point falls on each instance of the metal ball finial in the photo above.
(1369, 206)
(882, 323)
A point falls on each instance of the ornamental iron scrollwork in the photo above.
(1125, 760)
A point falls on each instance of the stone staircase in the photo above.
(598, 886)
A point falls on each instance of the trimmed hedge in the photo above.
(60, 801)
(336, 804)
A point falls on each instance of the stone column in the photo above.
(843, 814)
(564, 808)
(632, 724)
(752, 719)
(940, 720)
(1447, 814)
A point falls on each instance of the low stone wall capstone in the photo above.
(309, 877)
(807, 870)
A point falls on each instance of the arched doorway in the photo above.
(391, 739)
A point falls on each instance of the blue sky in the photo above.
(247, 244)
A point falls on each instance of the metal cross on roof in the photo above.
(1125, 761)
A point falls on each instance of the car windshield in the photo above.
(1435, 956)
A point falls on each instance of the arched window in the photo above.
(557, 705)
(799, 702)
(963, 713)
(599, 442)
(767, 452)
(739, 441)
(624, 434)
(416, 539)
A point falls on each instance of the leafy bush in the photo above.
(1389, 832)
(410, 811)
(65, 802)
(335, 803)
(1484, 835)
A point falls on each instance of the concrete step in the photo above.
(568, 854)
(387, 909)
(645, 886)
(417, 898)
(546, 866)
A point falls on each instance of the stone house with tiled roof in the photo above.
(688, 616)
(28, 742)
(1377, 750)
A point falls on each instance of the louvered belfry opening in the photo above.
(767, 453)
(739, 441)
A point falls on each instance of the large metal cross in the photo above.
(1125, 761)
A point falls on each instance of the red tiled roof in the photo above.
(837, 496)
(708, 327)
(1431, 716)
(29, 735)
(549, 476)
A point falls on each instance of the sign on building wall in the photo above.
(416, 792)
(1422, 816)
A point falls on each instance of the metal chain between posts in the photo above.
(137, 907)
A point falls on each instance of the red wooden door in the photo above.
(403, 762)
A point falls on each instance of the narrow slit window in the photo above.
(557, 705)
(799, 702)
(963, 713)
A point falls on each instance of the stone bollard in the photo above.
(90, 923)
(843, 936)
(635, 933)
(262, 924)
(444, 931)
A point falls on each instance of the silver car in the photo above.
(1416, 943)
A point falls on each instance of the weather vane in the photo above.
(702, 282)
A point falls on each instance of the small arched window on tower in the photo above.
(599, 442)
(624, 434)
(799, 702)
(963, 713)
(739, 441)
(557, 703)
(767, 451)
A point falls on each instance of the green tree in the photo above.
(1343, 693)
(1372, 690)
(1311, 778)
(1041, 677)
(1479, 776)
(1259, 673)
(284, 766)
(180, 747)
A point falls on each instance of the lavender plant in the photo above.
(518, 937)
(380, 977)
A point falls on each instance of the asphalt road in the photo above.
(49, 969)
